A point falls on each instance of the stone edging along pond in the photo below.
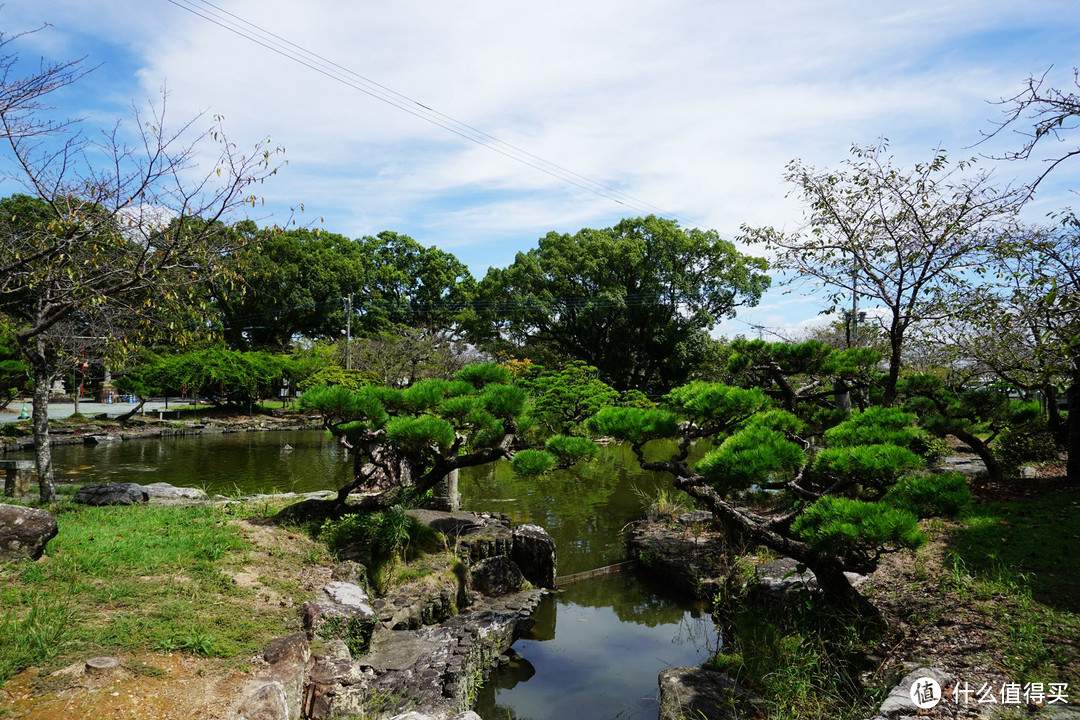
(103, 432)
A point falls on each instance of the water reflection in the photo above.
(229, 463)
(584, 508)
(596, 651)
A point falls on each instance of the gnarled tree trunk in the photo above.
(42, 447)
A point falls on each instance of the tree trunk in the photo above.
(994, 473)
(1072, 432)
(894, 372)
(42, 448)
(842, 395)
(1053, 414)
(827, 568)
(130, 414)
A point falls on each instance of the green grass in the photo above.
(802, 658)
(1018, 562)
(144, 578)
(1038, 537)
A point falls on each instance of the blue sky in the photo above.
(691, 106)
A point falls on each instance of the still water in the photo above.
(597, 645)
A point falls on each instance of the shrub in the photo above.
(1029, 442)
(570, 449)
(750, 456)
(875, 426)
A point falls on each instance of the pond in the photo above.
(598, 644)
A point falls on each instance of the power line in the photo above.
(298, 54)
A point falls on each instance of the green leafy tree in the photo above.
(797, 373)
(410, 285)
(222, 375)
(635, 301)
(563, 399)
(294, 283)
(833, 511)
(904, 241)
(974, 416)
(13, 370)
(408, 440)
(1028, 321)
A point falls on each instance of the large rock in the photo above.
(900, 702)
(24, 531)
(341, 610)
(262, 700)
(497, 575)
(288, 658)
(448, 523)
(691, 692)
(166, 492)
(115, 494)
(534, 552)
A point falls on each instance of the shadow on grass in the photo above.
(1037, 536)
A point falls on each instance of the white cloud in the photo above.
(689, 105)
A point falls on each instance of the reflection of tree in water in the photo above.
(583, 508)
(634, 599)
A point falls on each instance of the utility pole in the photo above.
(348, 332)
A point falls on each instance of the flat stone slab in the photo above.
(448, 523)
(690, 692)
(348, 595)
(165, 491)
(397, 650)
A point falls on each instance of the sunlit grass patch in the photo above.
(121, 580)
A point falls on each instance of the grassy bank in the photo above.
(993, 597)
(205, 580)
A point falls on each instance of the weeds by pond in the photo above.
(121, 580)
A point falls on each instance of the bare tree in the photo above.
(1041, 112)
(106, 226)
(901, 240)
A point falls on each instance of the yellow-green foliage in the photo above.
(533, 462)
(875, 467)
(877, 426)
(938, 495)
(750, 456)
(420, 433)
(633, 424)
(708, 403)
(839, 525)
(569, 448)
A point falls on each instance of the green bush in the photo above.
(1029, 442)
(939, 495)
(419, 433)
(875, 426)
(750, 456)
(633, 424)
